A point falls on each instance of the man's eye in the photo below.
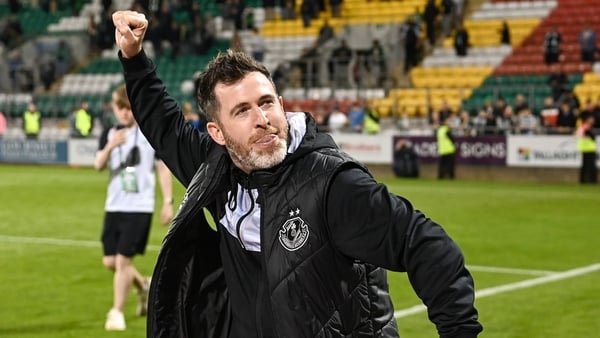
(242, 111)
(267, 103)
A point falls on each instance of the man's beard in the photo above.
(256, 160)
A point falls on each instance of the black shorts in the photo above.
(125, 233)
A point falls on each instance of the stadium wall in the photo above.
(535, 158)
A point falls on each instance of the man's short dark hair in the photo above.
(227, 67)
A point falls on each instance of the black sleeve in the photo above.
(368, 223)
(103, 140)
(182, 147)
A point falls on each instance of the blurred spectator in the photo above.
(321, 116)
(258, 45)
(107, 116)
(552, 41)
(356, 117)
(433, 119)
(588, 108)
(411, 33)
(549, 113)
(491, 113)
(106, 5)
(454, 123)
(506, 123)
(92, 32)
(406, 161)
(557, 81)
(446, 148)
(309, 66)
(15, 62)
(587, 42)
(248, 19)
(175, 38)
(445, 111)
(308, 10)
(2, 124)
(288, 10)
(270, 9)
(431, 16)
(505, 34)
(567, 119)
(81, 121)
(295, 77)
(105, 37)
(404, 122)
(417, 17)
(571, 99)
(14, 6)
(12, 33)
(586, 145)
(527, 123)
(20, 74)
(32, 121)
(447, 16)
(339, 64)
(520, 103)
(338, 121)
(336, 8)
(164, 29)
(47, 69)
(281, 76)
(461, 40)
(479, 122)
(232, 12)
(320, 6)
(376, 63)
(325, 33)
(465, 123)
(64, 58)
(190, 115)
(371, 123)
(199, 36)
(154, 34)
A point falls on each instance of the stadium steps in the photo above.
(569, 16)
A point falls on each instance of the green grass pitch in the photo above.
(534, 250)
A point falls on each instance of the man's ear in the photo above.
(215, 132)
(281, 101)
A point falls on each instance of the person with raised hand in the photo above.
(304, 233)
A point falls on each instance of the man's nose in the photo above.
(261, 117)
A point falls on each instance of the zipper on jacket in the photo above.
(238, 226)
(262, 287)
(258, 307)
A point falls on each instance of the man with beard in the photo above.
(303, 231)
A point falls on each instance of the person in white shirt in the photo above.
(130, 199)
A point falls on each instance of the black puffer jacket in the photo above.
(325, 227)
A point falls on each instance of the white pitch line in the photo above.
(62, 242)
(548, 276)
(512, 286)
(511, 271)
(94, 244)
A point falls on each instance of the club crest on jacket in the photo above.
(294, 232)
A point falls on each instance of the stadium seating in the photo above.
(488, 71)
(486, 32)
(589, 88)
(353, 12)
(569, 17)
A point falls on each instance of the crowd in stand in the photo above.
(345, 67)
